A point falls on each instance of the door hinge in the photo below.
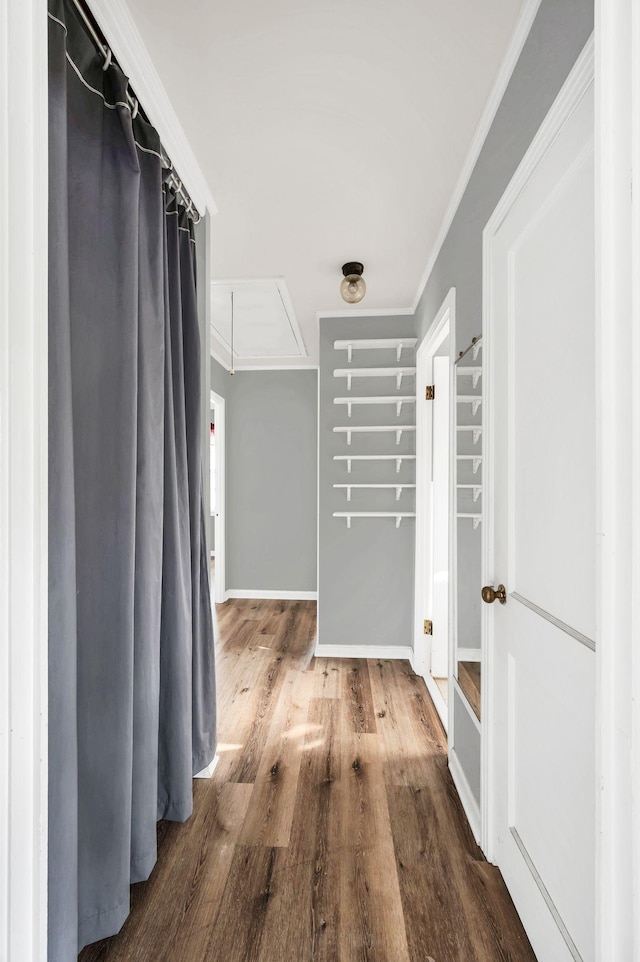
(428, 627)
(430, 392)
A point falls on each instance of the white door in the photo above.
(440, 515)
(540, 395)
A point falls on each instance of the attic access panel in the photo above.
(265, 325)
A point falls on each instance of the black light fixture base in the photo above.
(352, 267)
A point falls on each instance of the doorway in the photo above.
(217, 474)
(432, 640)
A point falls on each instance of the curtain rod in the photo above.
(107, 53)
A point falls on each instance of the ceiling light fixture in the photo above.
(353, 287)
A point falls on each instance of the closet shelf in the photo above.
(398, 515)
(398, 488)
(476, 518)
(376, 344)
(375, 429)
(474, 429)
(471, 399)
(476, 458)
(397, 372)
(475, 488)
(398, 400)
(398, 458)
(472, 372)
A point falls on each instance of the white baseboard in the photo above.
(266, 594)
(364, 651)
(469, 804)
(209, 770)
(469, 654)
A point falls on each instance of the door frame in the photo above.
(442, 326)
(220, 535)
(23, 480)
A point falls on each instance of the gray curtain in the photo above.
(131, 678)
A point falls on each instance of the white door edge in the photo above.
(442, 326)
(220, 527)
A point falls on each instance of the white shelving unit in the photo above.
(397, 372)
(397, 344)
(376, 344)
(397, 399)
(399, 488)
(475, 373)
(398, 458)
(376, 429)
(398, 515)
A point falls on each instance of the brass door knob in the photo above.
(489, 594)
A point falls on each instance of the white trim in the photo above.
(573, 90)
(617, 143)
(469, 803)
(208, 770)
(383, 652)
(469, 654)
(442, 326)
(276, 366)
(364, 313)
(124, 38)
(220, 523)
(260, 594)
(23, 480)
(518, 38)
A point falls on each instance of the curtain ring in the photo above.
(136, 107)
(107, 60)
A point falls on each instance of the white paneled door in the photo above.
(541, 537)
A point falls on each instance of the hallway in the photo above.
(331, 829)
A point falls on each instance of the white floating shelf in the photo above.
(375, 429)
(398, 488)
(398, 515)
(475, 430)
(471, 399)
(398, 400)
(398, 458)
(475, 488)
(476, 458)
(476, 518)
(473, 372)
(397, 372)
(376, 344)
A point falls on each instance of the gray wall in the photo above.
(559, 32)
(271, 478)
(365, 594)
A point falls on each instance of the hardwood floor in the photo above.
(331, 830)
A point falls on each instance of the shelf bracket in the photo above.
(398, 408)
(348, 521)
(349, 381)
(476, 377)
(476, 435)
(349, 352)
(348, 493)
(399, 352)
(476, 464)
(348, 437)
(475, 405)
(398, 463)
(398, 435)
(477, 491)
(398, 492)
(476, 522)
(348, 465)
(398, 381)
(476, 350)
(398, 520)
(349, 406)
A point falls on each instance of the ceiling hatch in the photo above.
(264, 323)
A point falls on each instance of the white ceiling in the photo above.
(328, 130)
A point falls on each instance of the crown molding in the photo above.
(518, 38)
(363, 312)
(124, 38)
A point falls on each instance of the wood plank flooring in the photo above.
(331, 830)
